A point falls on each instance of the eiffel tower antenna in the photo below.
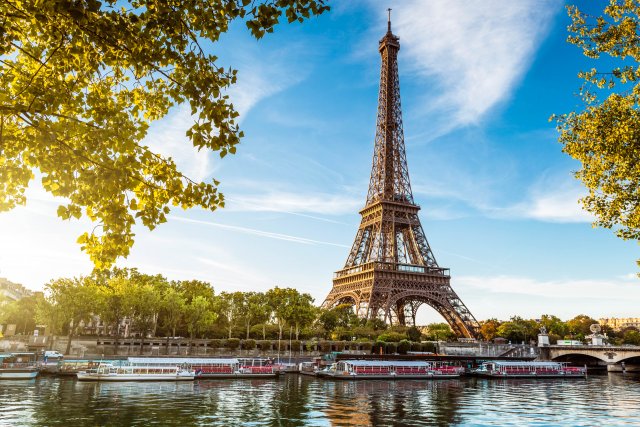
(389, 21)
(391, 271)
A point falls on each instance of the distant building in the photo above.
(13, 291)
(620, 323)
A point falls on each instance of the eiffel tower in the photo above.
(391, 271)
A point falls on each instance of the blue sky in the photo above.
(479, 81)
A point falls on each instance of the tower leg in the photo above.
(400, 313)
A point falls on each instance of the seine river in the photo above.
(600, 400)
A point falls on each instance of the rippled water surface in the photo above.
(604, 400)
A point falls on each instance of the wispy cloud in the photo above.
(504, 296)
(552, 197)
(570, 288)
(261, 74)
(473, 52)
(549, 199)
(296, 203)
(260, 233)
(168, 138)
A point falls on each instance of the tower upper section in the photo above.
(389, 174)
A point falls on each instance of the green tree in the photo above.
(254, 311)
(193, 288)
(145, 298)
(604, 137)
(341, 316)
(112, 304)
(489, 329)
(518, 329)
(414, 334)
(172, 310)
(80, 83)
(439, 332)
(554, 325)
(579, 326)
(278, 299)
(631, 336)
(74, 300)
(199, 317)
(300, 311)
(230, 308)
(21, 312)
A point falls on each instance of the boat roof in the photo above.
(521, 363)
(7, 355)
(179, 360)
(412, 363)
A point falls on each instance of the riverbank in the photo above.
(92, 347)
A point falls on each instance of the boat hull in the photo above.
(83, 376)
(18, 374)
(236, 376)
(387, 377)
(500, 376)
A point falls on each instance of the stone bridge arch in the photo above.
(607, 355)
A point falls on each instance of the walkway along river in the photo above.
(296, 400)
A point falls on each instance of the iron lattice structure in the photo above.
(391, 270)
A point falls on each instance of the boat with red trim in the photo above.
(519, 369)
(389, 370)
(18, 366)
(214, 367)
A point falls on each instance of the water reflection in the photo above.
(300, 401)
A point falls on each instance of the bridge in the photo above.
(614, 358)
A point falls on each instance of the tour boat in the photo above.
(391, 369)
(109, 372)
(308, 368)
(18, 366)
(516, 369)
(213, 367)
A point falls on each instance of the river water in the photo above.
(599, 400)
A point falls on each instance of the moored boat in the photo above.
(214, 367)
(389, 370)
(308, 368)
(518, 369)
(18, 366)
(109, 372)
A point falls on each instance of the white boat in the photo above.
(109, 372)
(18, 366)
(389, 370)
(519, 369)
(213, 367)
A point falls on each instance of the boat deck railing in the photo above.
(20, 365)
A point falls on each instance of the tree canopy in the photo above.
(80, 83)
(605, 136)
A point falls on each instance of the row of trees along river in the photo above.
(151, 305)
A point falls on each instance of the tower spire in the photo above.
(389, 21)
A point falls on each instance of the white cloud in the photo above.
(549, 199)
(261, 74)
(168, 137)
(503, 296)
(260, 233)
(296, 203)
(474, 52)
(560, 289)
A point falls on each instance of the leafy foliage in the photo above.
(80, 83)
(605, 137)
